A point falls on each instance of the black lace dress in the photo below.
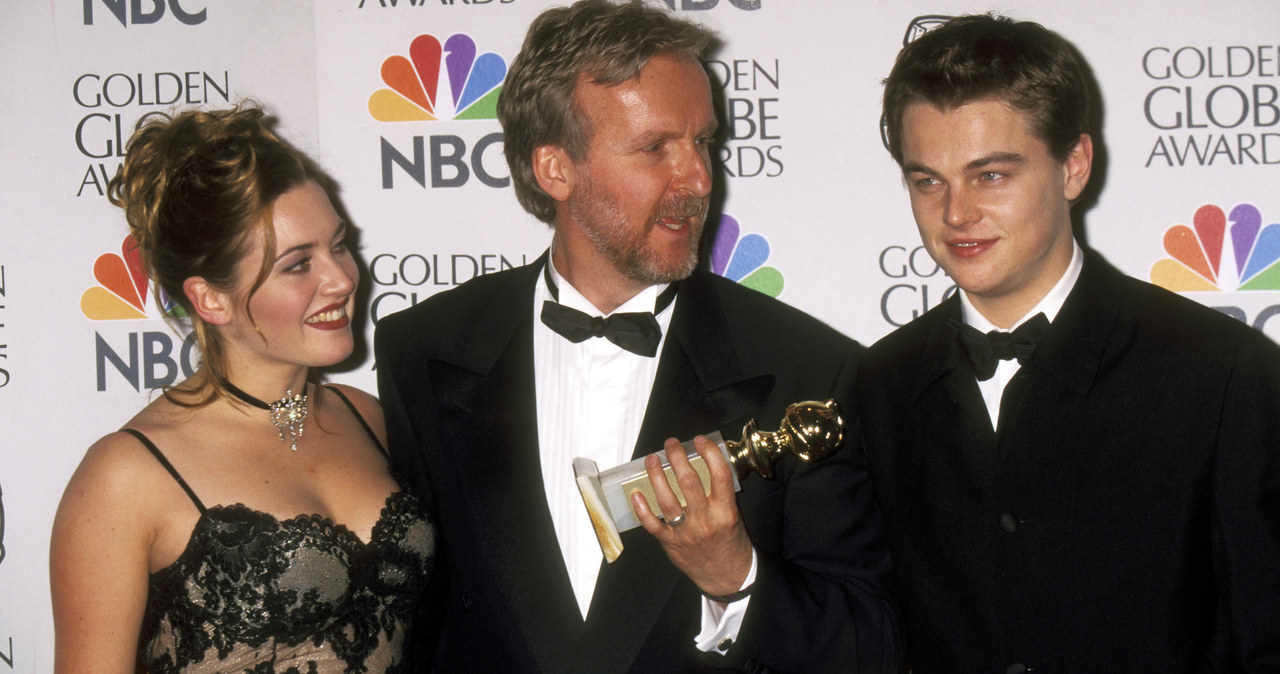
(251, 593)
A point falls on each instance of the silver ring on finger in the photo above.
(678, 519)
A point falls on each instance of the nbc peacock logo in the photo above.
(470, 83)
(1210, 255)
(121, 292)
(742, 258)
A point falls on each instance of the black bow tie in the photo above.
(637, 332)
(986, 351)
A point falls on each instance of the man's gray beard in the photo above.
(629, 252)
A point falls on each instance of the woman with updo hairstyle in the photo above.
(246, 519)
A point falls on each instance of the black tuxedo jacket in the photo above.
(1126, 516)
(456, 379)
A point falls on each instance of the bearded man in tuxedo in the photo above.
(608, 122)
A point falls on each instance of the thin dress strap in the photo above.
(367, 428)
(155, 451)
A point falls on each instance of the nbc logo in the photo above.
(121, 292)
(741, 258)
(472, 83)
(1202, 260)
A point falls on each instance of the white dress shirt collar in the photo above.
(1049, 305)
(570, 297)
(993, 388)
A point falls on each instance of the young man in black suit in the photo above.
(1100, 490)
(608, 123)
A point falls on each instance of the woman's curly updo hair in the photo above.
(195, 190)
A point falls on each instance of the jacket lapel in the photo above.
(1066, 363)
(1073, 350)
(703, 382)
(944, 363)
(947, 407)
(702, 385)
(488, 405)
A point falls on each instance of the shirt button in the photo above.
(724, 644)
(1010, 524)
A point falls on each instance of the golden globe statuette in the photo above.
(810, 430)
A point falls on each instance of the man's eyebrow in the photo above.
(976, 164)
(995, 158)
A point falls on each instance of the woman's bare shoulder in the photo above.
(368, 407)
(119, 465)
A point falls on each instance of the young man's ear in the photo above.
(554, 171)
(213, 306)
(1078, 166)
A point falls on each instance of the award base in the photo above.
(810, 430)
(607, 494)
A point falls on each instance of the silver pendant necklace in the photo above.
(288, 414)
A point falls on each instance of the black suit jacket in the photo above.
(457, 381)
(1126, 516)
